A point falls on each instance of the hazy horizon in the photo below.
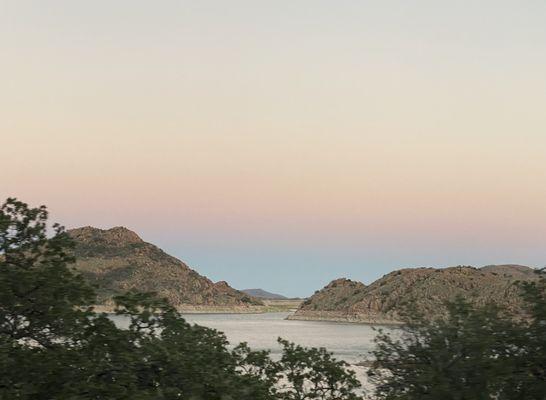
(280, 145)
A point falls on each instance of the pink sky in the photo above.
(370, 138)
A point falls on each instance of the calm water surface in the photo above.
(349, 342)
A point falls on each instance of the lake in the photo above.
(349, 342)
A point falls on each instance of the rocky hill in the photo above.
(117, 260)
(264, 294)
(425, 289)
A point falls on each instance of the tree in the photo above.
(53, 345)
(40, 299)
(311, 373)
(474, 353)
(42, 304)
(528, 380)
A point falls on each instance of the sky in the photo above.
(283, 144)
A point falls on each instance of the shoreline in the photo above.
(337, 318)
(100, 308)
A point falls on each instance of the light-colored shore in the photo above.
(334, 316)
(269, 306)
(201, 309)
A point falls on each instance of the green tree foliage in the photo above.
(476, 353)
(301, 373)
(311, 373)
(54, 346)
(529, 369)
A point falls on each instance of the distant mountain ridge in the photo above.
(117, 260)
(425, 289)
(263, 294)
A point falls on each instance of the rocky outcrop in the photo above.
(423, 290)
(117, 260)
(338, 293)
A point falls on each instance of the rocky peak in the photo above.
(339, 291)
(117, 236)
(123, 234)
(340, 282)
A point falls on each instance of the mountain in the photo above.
(425, 289)
(262, 294)
(117, 260)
